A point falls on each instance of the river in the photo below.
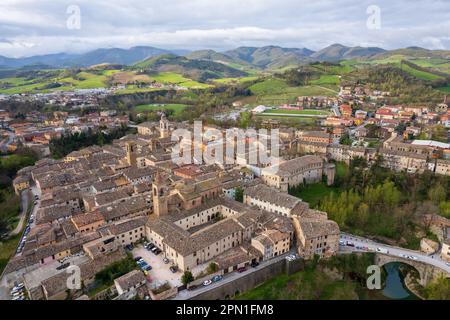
(395, 286)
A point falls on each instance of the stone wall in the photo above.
(251, 280)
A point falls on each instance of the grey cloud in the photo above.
(195, 24)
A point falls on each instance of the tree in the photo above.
(345, 140)
(239, 194)
(212, 267)
(437, 194)
(187, 278)
(439, 289)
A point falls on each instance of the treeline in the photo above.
(389, 204)
(9, 201)
(68, 143)
(404, 88)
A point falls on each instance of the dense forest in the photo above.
(387, 204)
(61, 147)
(404, 88)
(9, 201)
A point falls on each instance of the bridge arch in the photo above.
(427, 273)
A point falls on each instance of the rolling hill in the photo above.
(200, 70)
(269, 57)
(338, 52)
(99, 56)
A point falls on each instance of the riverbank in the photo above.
(410, 284)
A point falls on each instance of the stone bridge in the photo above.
(426, 272)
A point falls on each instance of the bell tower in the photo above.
(330, 171)
(160, 192)
(164, 126)
(131, 153)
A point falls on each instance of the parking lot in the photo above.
(160, 272)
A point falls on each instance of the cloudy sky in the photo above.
(30, 27)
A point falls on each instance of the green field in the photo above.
(82, 80)
(88, 79)
(274, 91)
(85, 80)
(177, 108)
(445, 89)
(303, 112)
(289, 120)
(327, 80)
(441, 65)
(418, 73)
(313, 193)
(235, 80)
(178, 79)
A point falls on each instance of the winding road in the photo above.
(25, 195)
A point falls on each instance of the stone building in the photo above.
(303, 170)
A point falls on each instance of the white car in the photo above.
(207, 282)
(448, 264)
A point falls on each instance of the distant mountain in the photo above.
(269, 57)
(209, 55)
(200, 70)
(416, 52)
(242, 58)
(53, 60)
(99, 56)
(338, 52)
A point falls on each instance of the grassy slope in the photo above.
(305, 112)
(177, 108)
(175, 78)
(273, 91)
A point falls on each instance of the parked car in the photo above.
(129, 247)
(150, 246)
(255, 264)
(137, 259)
(243, 269)
(448, 264)
(63, 266)
(382, 250)
(207, 282)
(19, 286)
(142, 263)
(192, 287)
(158, 251)
(173, 269)
(148, 268)
(154, 249)
(217, 278)
(350, 244)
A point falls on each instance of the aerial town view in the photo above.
(196, 150)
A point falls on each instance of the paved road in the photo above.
(294, 115)
(187, 294)
(433, 260)
(357, 241)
